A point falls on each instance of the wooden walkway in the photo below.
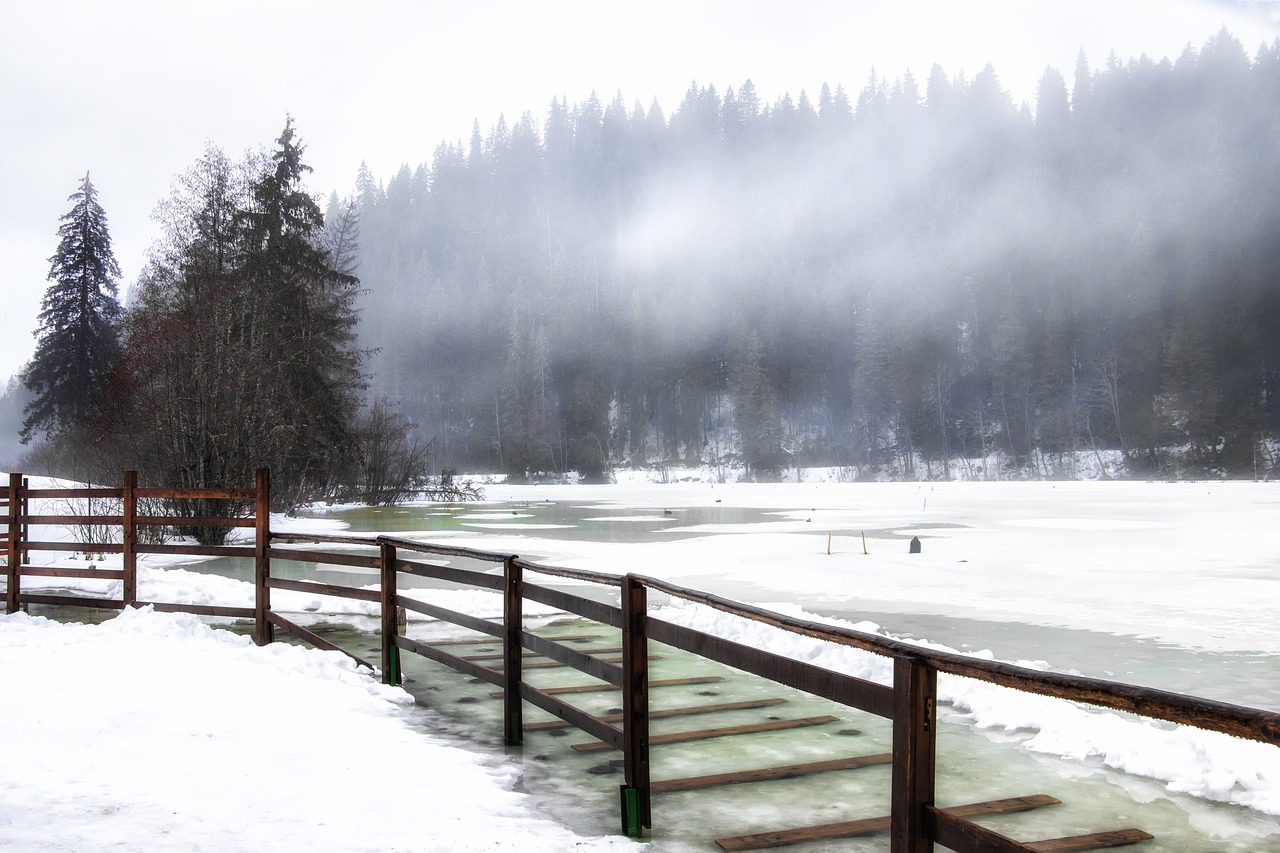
(958, 815)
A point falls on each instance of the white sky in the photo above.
(131, 90)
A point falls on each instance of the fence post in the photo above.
(512, 651)
(262, 628)
(390, 629)
(26, 513)
(14, 549)
(129, 536)
(915, 693)
(635, 792)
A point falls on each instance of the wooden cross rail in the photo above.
(536, 655)
(669, 712)
(770, 774)
(870, 825)
(723, 731)
(605, 688)
(489, 640)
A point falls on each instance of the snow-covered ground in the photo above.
(1192, 566)
(155, 732)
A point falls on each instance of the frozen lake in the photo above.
(1167, 585)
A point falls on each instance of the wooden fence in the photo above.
(916, 821)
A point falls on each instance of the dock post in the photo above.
(512, 651)
(635, 793)
(915, 693)
(390, 621)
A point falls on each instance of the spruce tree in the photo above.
(76, 339)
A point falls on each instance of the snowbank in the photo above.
(156, 732)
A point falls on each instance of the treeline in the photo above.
(237, 351)
(923, 271)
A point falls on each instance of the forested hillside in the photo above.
(923, 270)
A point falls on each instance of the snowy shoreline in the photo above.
(1186, 760)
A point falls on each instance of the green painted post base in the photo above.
(515, 730)
(393, 674)
(632, 817)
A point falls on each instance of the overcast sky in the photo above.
(131, 90)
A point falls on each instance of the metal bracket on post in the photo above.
(636, 812)
(512, 652)
(390, 621)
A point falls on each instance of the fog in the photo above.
(131, 92)
(905, 273)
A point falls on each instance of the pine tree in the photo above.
(77, 338)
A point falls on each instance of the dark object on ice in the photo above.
(915, 545)
(849, 732)
(467, 700)
(557, 732)
(601, 769)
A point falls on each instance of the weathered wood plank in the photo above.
(445, 550)
(669, 712)
(313, 638)
(724, 731)
(593, 726)
(198, 550)
(588, 608)
(61, 572)
(77, 600)
(201, 609)
(576, 574)
(483, 626)
(828, 684)
(74, 520)
(605, 688)
(489, 640)
(200, 494)
(499, 655)
(316, 588)
(316, 538)
(1093, 841)
(552, 665)
(867, 826)
(187, 521)
(475, 670)
(29, 546)
(325, 558)
(584, 661)
(32, 494)
(451, 574)
(768, 774)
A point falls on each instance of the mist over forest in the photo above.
(917, 271)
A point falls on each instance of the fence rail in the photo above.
(916, 822)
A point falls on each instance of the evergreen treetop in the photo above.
(76, 338)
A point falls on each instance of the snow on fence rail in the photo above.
(915, 822)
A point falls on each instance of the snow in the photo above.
(1189, 565)
(154, 731)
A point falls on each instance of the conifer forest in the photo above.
(919, 272)
(916, 278)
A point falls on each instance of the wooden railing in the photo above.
(916, 822)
